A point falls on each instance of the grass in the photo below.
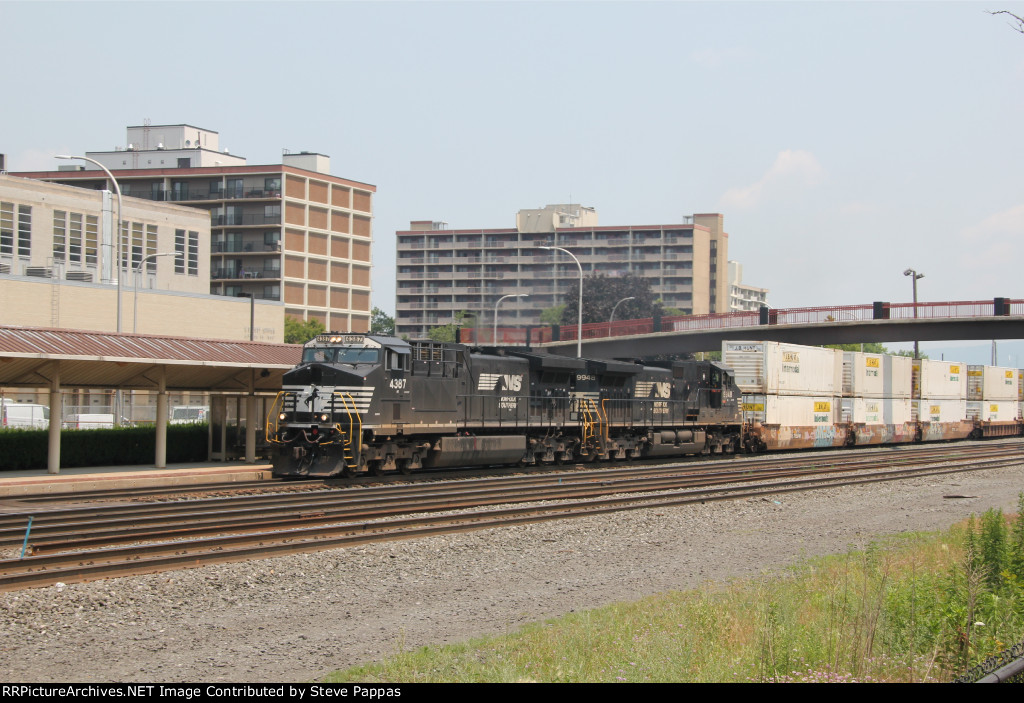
(910, 608)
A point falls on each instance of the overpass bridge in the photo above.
(999, 318)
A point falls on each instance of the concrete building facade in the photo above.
(441, 272)
(58, 266)
(288, 232)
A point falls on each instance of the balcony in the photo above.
(181, 196)
(228, 274)
(244, 219)
(244, 248)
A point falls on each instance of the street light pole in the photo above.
(494, 335)
(138, 275)
(579, 317)
(914, 277)
(611, 318)
(120, 214)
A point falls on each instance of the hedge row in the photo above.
(119, 446)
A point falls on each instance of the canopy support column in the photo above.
(56, 420)
(160, 461)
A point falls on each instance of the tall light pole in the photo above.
(611, 318)
(138, 275)
(117, 189)
(494, 335)
(914, 276)
(579, 318)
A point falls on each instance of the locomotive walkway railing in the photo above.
(748, 320)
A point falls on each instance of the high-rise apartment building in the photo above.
(290, 231)
(743, 297)
(443, 271)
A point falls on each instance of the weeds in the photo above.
(910, 608)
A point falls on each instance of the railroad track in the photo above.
(119, 523)
(192, 533)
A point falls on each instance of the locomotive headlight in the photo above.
(282, 416)
(323, 418)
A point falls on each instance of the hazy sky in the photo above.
(844, 142)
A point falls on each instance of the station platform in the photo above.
(90, 478)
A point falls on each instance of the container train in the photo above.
(368, 404)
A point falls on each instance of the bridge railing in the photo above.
(747, 322)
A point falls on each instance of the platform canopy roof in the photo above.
(133, 361)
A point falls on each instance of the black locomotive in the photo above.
(365, 403)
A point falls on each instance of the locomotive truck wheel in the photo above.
(404, 466)
(375, 467)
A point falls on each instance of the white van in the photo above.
(91, 421)
(24, 415)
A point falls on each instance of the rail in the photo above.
(750, 319)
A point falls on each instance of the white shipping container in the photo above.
(992, 411)
(991, 383)
(867, 375)
(791, 410)
(940, 380)
(775, 368)
(877, 411)
(940, 410)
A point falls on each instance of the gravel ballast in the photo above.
(299, 617)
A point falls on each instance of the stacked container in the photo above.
(992, 394)
(1020, 394)
(876, 394)
(940, 392)
(791, 392)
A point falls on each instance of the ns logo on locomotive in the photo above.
(373, 404)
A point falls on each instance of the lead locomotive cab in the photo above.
(345, 386)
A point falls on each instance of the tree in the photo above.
(449, 332)
(869, 347)
(601, 293)
(297, 331)
(552, 316)
(382, 323)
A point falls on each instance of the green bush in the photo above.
(119, 446)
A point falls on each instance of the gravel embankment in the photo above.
(296, 618)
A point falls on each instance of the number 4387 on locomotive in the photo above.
(366, 403)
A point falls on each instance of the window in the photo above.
(272, 185)
(235, 188)
(6, 228)
(24, 230)
(60, 226)
(92, 236)
(75, 238)
(193, 253)
(179, 249)
(137, 244)
(151, 248)
(272, 213)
